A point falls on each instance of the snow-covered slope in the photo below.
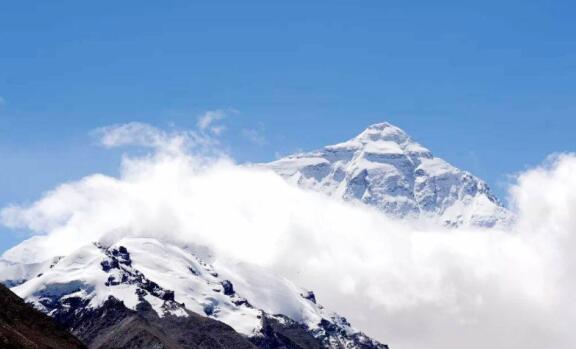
(13, 274)
(383, 167)
(176, 280)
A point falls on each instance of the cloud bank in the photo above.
(407, 284)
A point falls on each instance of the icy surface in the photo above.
(383, 167)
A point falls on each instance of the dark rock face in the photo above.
(228, 288)
(120, 259)
(281, 332)
(113, 326)
(116, 327)
(332, 335)
(23, 327)
(309, 295)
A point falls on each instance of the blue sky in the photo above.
(489, 86)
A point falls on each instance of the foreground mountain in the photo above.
(146, 293)
(383, 167)
(23, 327)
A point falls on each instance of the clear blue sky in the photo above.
(488, 85)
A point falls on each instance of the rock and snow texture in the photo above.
(176, 280)
(383, 167)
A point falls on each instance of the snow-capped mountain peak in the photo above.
(382, 138)
(175, 281)
(385, 168)
(383, 131)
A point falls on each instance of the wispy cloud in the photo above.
(208, 122)
(145, 135)
(133, 133)
(174, 140)
(209, 117)
(254, 135)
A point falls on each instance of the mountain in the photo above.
(384, 168)
(136, 292)
(147, 293)
(23, 327)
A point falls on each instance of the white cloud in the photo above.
(408, 285)
(217, 130)
(133, 133)
(208, 120)
(253, 135)
(145, 135)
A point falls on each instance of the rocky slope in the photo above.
(23, 327)
(113, 325)
(384, 168)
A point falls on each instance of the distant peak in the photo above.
(380, 125)
(383, 131)
(382, 138)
